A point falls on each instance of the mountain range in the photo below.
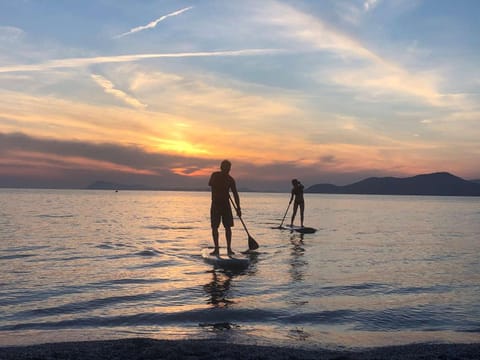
(439, 184)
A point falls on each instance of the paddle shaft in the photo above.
(284, 216)
(236, 209)
(252, 244)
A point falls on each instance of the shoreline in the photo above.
(146, 349)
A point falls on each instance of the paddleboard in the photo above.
(224, 261)
(301, 230)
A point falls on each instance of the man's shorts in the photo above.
(221, 213)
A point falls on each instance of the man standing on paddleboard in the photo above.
(220, 211)
(297, 193)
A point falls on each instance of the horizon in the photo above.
(170, 187)
(160, 92)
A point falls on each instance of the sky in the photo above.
(159, 92)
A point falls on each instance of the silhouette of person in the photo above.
(218, 289)
(220, 211)
(297, 194)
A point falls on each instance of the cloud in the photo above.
(307, 29)
(44, 155)
(82, 62)
(10, 34)
(195, 116)
(359, 66)
(103, 136)
(154, 23)
(370, 4)
(109, 88)
(210, 97)
(41, 161)
(380, 80)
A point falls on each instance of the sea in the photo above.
(379, 270)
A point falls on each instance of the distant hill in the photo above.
(439, 184)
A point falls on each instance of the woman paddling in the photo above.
(297, 194)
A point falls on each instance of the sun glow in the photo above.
(180, 147)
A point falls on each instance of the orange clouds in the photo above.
(194, 172)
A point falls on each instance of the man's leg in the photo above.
(215, 223)
(228, 237)
(227, 224)
(215, 241)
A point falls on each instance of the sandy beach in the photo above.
(206, 349)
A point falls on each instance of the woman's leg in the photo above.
(302, 210)
(295, 207)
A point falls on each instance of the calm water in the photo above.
(78, 265)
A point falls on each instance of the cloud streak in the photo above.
(124, 158)
(10, 34)
(82, 62)
(109, 88)
(384, 76)
(370, 4)
(154, 23)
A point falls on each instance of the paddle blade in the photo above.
(252, 244)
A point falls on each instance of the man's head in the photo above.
(294, 182)
(225, 166)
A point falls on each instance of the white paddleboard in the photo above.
(224, 261)
(301, 230)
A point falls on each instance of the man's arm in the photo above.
(210, 182)
(236, 198)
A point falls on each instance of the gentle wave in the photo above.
(18, 256)
(391, 320)
(368, 289)
(168, 227)
(25, 248)
(53, 216)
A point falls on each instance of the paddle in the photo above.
(252, 244)
(284, 216)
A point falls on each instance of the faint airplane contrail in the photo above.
(153, 24)
(79, 62)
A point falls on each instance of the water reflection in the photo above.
(297, 261)
(218, 289)
(298, 269)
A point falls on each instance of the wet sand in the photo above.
(146, 349)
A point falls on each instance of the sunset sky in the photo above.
(158, 92)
